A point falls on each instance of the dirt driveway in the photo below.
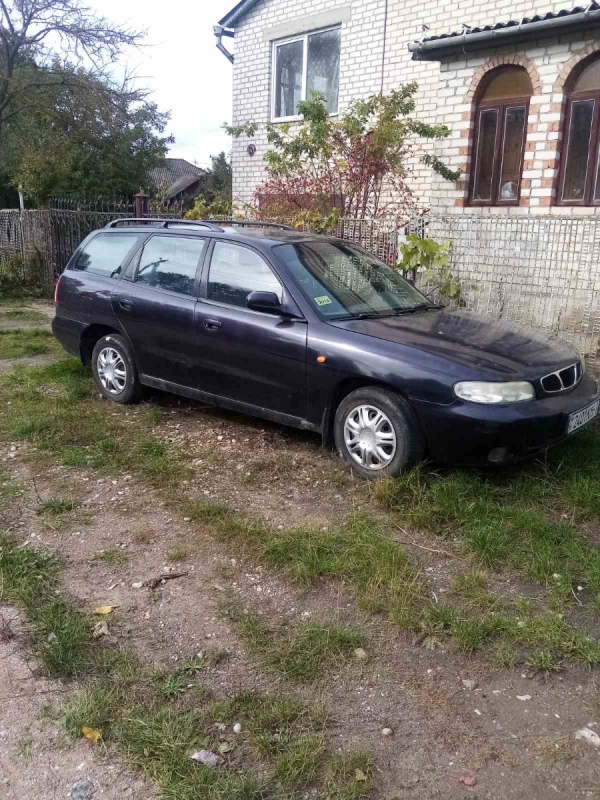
(249, 522)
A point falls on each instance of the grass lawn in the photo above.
(532, 527)
(27, 342)
(23, 315)
(158, 719)
(535, 520)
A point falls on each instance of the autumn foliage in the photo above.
(355, 165)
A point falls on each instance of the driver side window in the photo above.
(235, 271)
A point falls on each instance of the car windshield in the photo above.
(342, 280)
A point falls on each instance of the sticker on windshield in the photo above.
(324, 300)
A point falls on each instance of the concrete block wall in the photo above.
(375, 56)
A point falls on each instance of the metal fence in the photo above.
(25, 251)
(114, 205)
(35, 246)
(543, 272)
(540, 272)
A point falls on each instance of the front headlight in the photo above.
(492, 393)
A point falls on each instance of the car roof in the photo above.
(269, 236)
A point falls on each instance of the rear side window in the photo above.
(170, 263)
(107, 253)
(235, 272)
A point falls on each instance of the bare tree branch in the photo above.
(54, 37)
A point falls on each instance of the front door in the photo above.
(156, 307)
(253, 357)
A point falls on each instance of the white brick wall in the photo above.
(445, 90)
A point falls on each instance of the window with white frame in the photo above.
(302, 65)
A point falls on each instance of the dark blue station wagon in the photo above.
(316, 333)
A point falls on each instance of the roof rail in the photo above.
(251, 224)
(164, 223)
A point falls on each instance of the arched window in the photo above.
(579, 182)
(501, 124)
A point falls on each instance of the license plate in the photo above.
(580, 418)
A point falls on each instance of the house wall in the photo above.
(549, 64)
(361, 67)
(371, 61)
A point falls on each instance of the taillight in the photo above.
(56, 290)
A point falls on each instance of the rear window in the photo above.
(170, 263)
(107, 253)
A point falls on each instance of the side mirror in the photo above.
(267, 302)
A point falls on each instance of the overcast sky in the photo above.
(183, 68)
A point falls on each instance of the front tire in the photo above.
(377, 433)
(114, 370)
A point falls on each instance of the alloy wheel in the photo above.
(369, 437)
(112, 370)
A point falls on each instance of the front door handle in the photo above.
(212, 324)
(126, 305)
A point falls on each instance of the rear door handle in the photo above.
(126, 305)
(212, 324)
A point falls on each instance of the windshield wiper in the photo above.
(362, 315)
(392, 312)
(420, 307)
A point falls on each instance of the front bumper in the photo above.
(466, 433)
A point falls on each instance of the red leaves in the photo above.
(356, 165)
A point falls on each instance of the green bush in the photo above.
(23, 276)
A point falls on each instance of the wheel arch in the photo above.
(91, 335)
(342, 390)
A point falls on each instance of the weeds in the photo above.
(505, 656)
(383, 578)
(29, 579)
(27, 342)
(280, 751)
(544, 661)
(53, 408)
(471, 587)
(112, 557)
(25, 315)
(358, 552)
(282, 747)
(176, 554)
(171, 686)
(303, 652)
(349, 777)
(56, 507)
(515, 517)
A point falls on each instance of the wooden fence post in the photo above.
(141, 204)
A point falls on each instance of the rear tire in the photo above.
(114, 370)
(377, 433)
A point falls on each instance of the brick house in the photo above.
(517, 81)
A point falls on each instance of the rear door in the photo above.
(155, 305)
(249, 356)
(91, 278)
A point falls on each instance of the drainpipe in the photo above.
(383, 53)
(219, 31)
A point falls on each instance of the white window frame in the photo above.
(304, 39)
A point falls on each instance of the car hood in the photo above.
(470, 339)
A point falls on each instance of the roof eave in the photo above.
(236, 13)
(438, 49)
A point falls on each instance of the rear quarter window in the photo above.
(106, 254)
